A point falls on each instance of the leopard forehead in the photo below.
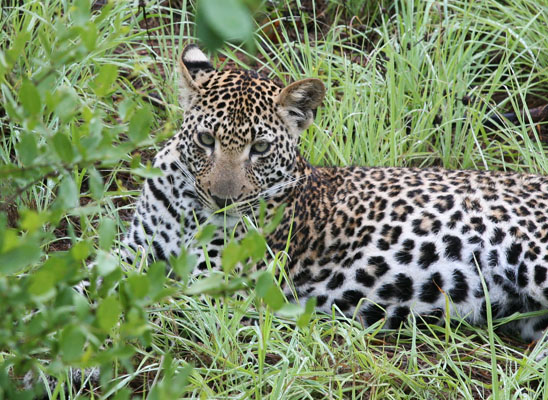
(237, 107)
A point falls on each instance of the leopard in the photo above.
(380, 243)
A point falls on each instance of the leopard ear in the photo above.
(192, 65)
(298, 103)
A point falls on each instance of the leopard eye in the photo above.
(206, 139)
(260, 147)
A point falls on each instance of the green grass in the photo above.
(395, 80)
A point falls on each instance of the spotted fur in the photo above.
(390, 241)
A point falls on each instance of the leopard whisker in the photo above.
(186, 175)
(275, 189)
(267, 194)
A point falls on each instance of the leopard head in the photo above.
(240, 131)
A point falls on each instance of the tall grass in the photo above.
(395, 80)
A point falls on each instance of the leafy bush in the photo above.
(73, 107)
(64, 127)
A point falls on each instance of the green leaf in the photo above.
(269, 291)
(264, 283)
(65, 103)
(180, 379)
(210, 39)
(183, 264)
(138, 286)
(156, 276)
(231, 256)
(81, 305)
(173, 384)
(72, 343)
(18, 253)
(67, 195)
(122, 394)
(205, 234)
(29, 97)
(108, 313)
(237, 283)
(110, 280)
(254, 245)
(230, 19)
(31, 220)
(107, 233)
(12, 110)
(42, 284)
(54, 270)
(309, 308)
(139, 125)
(88, 35)
(37, 324)
(27, 148)
(213, 285)
(96, 185)
(81, 250)
(135, 324)
(274, 298)
(81, 12)
(18, 45)
(126, 108)
(103, 83)
(290, 310)
(105, 263)
(63, 147)
(147, 172)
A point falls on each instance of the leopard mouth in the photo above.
(222, 202)
(234, 208)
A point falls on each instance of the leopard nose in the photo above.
(221, 202)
